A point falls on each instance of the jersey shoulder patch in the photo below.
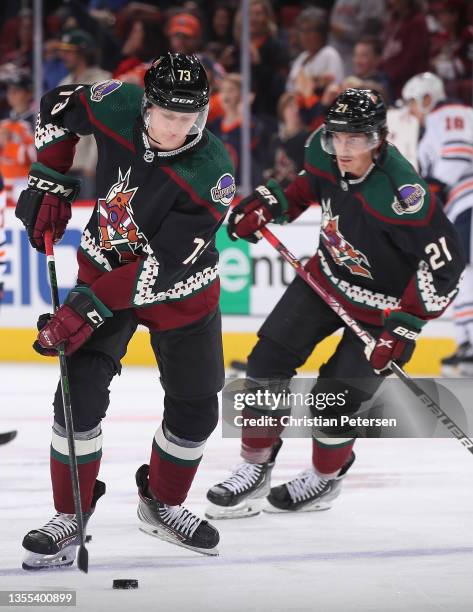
(396, 191)
(114, 105)
(210, 173)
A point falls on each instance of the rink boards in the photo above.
(252, 279)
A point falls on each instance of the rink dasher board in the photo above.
(253, 277)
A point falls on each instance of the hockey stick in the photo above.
(368, 339)
(83, 555)
(7, 436)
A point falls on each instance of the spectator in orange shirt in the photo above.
(17, 150)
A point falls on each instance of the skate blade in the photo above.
(318, 507)
(161, 534)
(245, 509)
(37, 561)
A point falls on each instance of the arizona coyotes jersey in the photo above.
(385, 243)
(150, 241)
(446, 153)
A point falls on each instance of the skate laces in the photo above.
(60, 526)
(305, 484)
(179, 518)
(244, 476)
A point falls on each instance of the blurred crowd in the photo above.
(303, 54)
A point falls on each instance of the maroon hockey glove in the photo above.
(72, 324)
(46, 204)
(53, 214)
(265, 204)
(397, 340)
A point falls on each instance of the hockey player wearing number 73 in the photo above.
(387, 253)
(147, 256)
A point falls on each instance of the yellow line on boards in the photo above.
(15, 346)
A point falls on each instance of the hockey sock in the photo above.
(89, 452)
(329, 455)
(173, 465)
(257, 441)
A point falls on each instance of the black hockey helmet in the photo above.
(356, 111)
(177, 82)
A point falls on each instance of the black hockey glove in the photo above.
(265, 204)
(46, 204)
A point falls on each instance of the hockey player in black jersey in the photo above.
(147, 256)
(387, 253)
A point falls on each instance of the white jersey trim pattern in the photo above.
(425, 285)
(92, 249)
(145, 293)
(357, 294)
(44, 134)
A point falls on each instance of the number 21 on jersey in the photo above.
(437, 253)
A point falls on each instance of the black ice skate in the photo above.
(243, 493)
(174, 524)
(55, 544)
(460, 363)
(307, 492)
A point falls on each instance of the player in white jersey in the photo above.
(446, 160)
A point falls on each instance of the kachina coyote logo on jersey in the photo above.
(342, 252)
(117, 227)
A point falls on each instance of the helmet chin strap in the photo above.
(151, 138)
(146, 125)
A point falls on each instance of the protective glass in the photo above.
(337, 143)
(196, 128)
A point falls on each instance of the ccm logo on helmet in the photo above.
(267, 195)
(182, 100)
(44, 185)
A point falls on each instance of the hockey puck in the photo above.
(125, 583)
(88, 538)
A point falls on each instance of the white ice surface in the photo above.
(399, 537)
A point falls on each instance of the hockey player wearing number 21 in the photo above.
(388, 255)
(147, 256)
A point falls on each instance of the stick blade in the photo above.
(83, 559)
(6, 437)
